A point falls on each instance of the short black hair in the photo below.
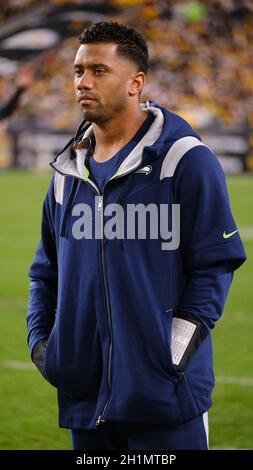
(130, 43)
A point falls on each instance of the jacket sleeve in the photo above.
(43, 278)
(210, 243)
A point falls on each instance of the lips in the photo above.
(85, 99)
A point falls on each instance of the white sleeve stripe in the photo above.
(176, 152)
(59, 181)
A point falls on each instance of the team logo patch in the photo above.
(146, 170)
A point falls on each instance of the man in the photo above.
(120, 313)
(24, 78)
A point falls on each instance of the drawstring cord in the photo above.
(76, 141)
(80, 129)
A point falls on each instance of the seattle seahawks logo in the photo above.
(146, 170)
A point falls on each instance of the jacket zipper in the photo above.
(107, 302)
(108, 312)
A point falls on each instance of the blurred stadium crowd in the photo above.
(201, 61)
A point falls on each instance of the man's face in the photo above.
(102, 81)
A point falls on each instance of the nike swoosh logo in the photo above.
(228, 235)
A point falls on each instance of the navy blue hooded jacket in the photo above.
(106, 305)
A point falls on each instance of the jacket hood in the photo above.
(164, 131)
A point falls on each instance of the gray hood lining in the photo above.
(76, 167)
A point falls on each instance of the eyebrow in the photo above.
(78, 65)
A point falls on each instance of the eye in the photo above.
(78, 73)
(99, 71)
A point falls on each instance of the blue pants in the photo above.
(191, 435)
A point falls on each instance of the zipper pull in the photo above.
(98, 422)
(100, 203)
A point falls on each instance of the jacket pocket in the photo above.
(76, 374)
(183, 390)
(186, 399)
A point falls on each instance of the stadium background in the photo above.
(202, 68)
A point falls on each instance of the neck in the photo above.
(114, 134)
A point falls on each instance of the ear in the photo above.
(136, 83)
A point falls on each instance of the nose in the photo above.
(84, 82)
